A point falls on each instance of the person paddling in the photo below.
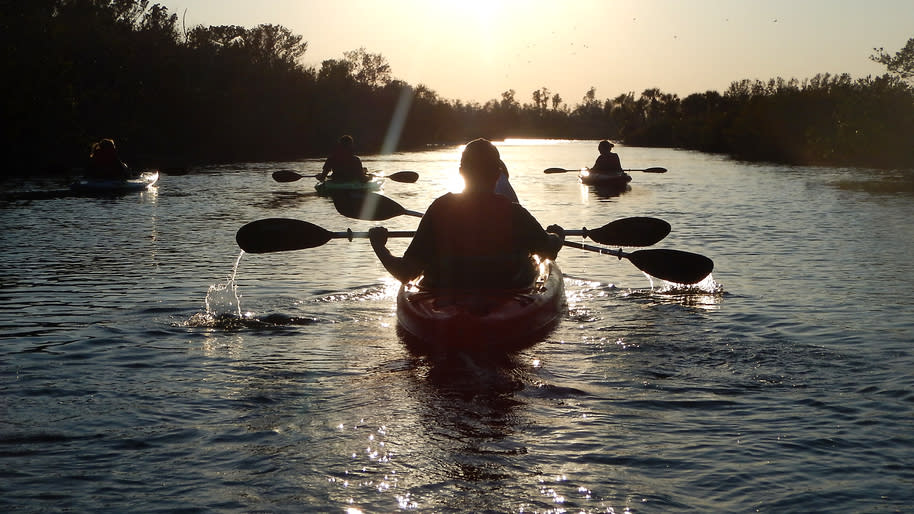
(105, 163)
(343, 165)
(607, 163)
(473, 239)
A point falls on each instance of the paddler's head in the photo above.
(480, 165)
(346, 143)
(103, 149)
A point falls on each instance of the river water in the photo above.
(144, 367)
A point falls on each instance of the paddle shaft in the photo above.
(581, 232)
(564, 170)
(292, 176)
(583, 246)
(350, 235)
(568, 232)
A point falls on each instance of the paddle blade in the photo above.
(367, 206)
(557, 170)
(406, 177)
(673, 265)
(634, 231)
(280, 235)
(654, 170)
(286, 176)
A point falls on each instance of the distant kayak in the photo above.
(482, 319)
(605, 179)
(327, 187)
(102, 186)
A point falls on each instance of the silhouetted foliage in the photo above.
(80, 70)
(901, 64)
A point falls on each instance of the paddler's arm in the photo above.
(545, 243)
(403, 269)
(325, 171)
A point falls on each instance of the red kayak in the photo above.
(616, 180)
(499, 319)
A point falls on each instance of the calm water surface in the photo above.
(140, 371)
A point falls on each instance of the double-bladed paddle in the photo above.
(365, 205)
(284, 234)
(646, 170)
(635, 231)
(407, 177)
(670, 265)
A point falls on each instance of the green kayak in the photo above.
(330, 186)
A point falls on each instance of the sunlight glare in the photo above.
(477, 16)
(454, 182)
(529, 142)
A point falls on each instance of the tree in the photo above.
(334, 70)
(556, 102)
(274, 46)
(508, 101)
(369, 69)
(902, 64)
(541, 98)
(215, 37)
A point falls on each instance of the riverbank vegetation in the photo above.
(80, 70)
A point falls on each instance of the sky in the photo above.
(473, 50)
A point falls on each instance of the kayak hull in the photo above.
(92, 186)
(615, 180)
(504, 320)
(328, 187)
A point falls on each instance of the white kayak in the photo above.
(101, 186)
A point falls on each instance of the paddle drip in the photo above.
(706, 294)
(708, 286)
(222, 300)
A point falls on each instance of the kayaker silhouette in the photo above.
(607, 162)
(473, 239)
(343, 165)
(105, 164)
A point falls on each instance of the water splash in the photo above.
(705, 287)
(706, 294)
(224, 300)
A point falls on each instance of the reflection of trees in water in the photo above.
(287, 199)
(606, 192)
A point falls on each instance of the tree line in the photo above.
(80, 70)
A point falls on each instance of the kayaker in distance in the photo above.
(343, 165)
(105, 164)
(473, 239)
(607, 163)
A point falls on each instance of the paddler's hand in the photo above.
(321, 177)
(378, 237)
(557, 230)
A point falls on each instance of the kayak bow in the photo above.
(328, 187)
(618, 180)
(96, 186)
